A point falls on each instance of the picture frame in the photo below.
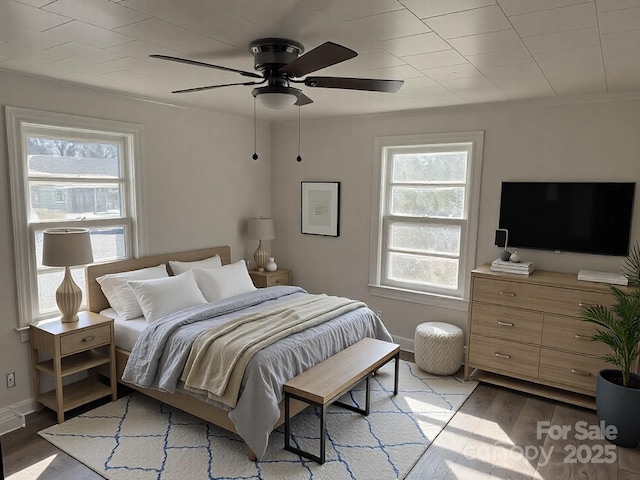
(320, 208)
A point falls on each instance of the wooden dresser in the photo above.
(525, 332)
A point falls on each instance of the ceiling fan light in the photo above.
(277, 101)
(276, 97)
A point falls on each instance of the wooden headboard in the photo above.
(96, 301)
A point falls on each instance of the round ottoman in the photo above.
(439, 347)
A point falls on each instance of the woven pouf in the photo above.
(439, 347)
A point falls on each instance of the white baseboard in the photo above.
(13, 417)
(405, 343)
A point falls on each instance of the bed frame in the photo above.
(96, 302)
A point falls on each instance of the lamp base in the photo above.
(68, 298)
(261, 257)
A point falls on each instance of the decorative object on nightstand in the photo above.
(66, 247)
(271, 265)
(270, 279)
(261, 229)
(73, 348)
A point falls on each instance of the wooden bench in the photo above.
(327, 381)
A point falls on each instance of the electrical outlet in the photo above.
(11, 380)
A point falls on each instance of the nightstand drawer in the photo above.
(282, 279)
(270, 279)
(85, 339)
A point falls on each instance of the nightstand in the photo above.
(270, 279)
(73, 348)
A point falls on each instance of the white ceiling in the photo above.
(448, 52)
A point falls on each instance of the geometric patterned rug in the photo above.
(140, 438)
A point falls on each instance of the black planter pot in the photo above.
(618, 406)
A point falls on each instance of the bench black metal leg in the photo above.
(287, 422)
(287, 429)
(395, 383)
(323, 433)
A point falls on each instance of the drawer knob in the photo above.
(581, 337)
(502, 355)
(507, 294)
(89, 338)
(504, 324)
(580, 304)
(580, 372)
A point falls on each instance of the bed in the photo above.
(257, 394)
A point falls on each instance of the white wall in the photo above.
(586, 141)
(200, 184)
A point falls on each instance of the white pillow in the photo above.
(181, 267)
(224, 282)
(119, 293)
(162, 296)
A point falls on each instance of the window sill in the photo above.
(431, 299)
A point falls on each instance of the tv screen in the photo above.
(584, 217)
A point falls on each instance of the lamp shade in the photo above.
(261, 229)
(65, 247)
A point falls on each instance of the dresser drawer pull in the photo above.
(504, 324)
(502, 355)
(507, 294)
(580, 372)
(89, 338)
(580, 304)
(581, 337)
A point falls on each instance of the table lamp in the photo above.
(66, 247)
(261, 229)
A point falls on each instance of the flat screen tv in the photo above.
(583, 217)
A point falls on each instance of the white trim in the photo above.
(424, 298)
(13, 416)
(406, 344)
(470, 231)
(25, 263)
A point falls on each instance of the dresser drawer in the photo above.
(503, 356)
(506, 323)
(572, 334)
(282, 279)
(571, 370)
(562, 301)
(85, 339)
(574, 301)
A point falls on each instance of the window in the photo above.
(69, 171)
(425, 217)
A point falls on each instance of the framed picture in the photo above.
(321, 208)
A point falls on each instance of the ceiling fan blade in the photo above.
(303, 100)
(210, 87)
(325, 55)
(370, 84)
(208, 65)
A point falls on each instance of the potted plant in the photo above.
(618, 390)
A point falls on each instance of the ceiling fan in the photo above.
(280, 63)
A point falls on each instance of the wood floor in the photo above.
(492, 436)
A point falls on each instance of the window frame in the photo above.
(384, 147)
(22, 123)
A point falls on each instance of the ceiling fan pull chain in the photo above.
(255, 154)
(299, 158)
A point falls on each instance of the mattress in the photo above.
(126, 331)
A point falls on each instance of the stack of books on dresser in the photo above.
(520, 268)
